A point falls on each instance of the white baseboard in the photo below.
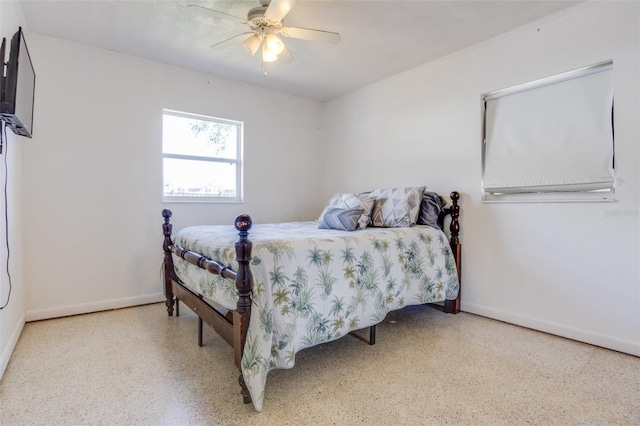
(609, 342)
(85, 308)
(8, 350)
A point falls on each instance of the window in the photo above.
(202, 158)
(551, 139)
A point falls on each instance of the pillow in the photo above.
(341, 219)
(396, 207)
(430, 207)
(351, 201)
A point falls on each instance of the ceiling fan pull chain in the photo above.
(264, 47)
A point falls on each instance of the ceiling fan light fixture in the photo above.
(252, 44)
(268, 56)
(274, 44)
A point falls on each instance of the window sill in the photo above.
(201, 200)
(550, 197)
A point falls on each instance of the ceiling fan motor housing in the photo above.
(256, 12)
(257, 21)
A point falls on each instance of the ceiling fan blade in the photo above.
(235, 39)
(311, 35)
(278, 9)
(218, 14)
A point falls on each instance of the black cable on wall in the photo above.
(3, 139)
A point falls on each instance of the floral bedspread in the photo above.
(315, 285)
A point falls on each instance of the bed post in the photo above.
(168, 261)
(453, 306)
(244, 284)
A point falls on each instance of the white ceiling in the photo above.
(379, 38)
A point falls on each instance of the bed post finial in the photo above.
(167, 228)
(243, 223)
(244, 284)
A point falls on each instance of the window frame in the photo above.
(237, 161)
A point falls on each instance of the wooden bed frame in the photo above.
(233, 325)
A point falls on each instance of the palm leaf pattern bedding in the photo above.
(315, 285)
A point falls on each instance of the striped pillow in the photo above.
(396, 207)
(351, 201)
(341, 219)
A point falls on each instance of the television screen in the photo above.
(16, 108)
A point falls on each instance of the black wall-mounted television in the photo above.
(18, 87)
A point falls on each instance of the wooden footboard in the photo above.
(233, 330)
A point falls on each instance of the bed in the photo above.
(294, 285)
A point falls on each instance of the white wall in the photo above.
(93, 171)
(567, 269)
(12, 317)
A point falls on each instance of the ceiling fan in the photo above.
(265, 23)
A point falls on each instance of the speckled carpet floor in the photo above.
(137, 366)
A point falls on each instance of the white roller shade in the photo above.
(551, 135)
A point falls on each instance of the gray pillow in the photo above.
(430, 207)
(340, 219)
